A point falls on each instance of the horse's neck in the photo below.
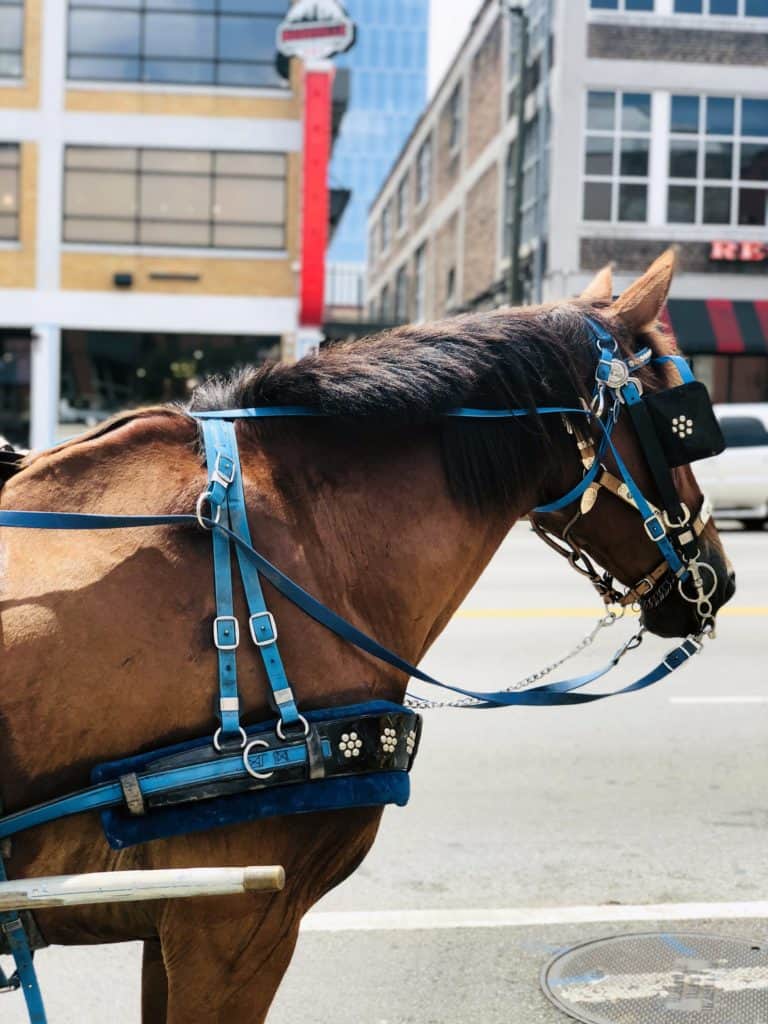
(372, 530)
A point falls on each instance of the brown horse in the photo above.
(384, 511)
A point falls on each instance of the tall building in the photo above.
(388, 90)
(654, 131)
(150, 165)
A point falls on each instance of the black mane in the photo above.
(412, 375)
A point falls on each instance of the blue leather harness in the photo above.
(295, 742)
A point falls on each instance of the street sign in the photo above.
(315, 30)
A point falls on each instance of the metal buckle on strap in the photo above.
(223, 470)
(654, 527)
(220, 635)
(267, 623)
(215, 510)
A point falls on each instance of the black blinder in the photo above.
(685, 423)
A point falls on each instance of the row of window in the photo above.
(394, 216)
(733, 8)
(165, 197)
(716, 163)
(406, 298)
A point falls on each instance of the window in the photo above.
(190, 42)
(420, 281)
(621, 5)
(386, 227)
(741, 8)
(175, 197)
(424, 172)
(401, 295)
(401, 205)
(9, 192)
(454, 120)
(718, 161)
(11, 38)
(743, 432)
(617, 153)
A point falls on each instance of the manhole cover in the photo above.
(661, 978)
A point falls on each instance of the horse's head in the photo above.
(667, 552)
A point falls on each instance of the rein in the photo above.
(309, 745)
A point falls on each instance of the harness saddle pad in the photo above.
(386, 739)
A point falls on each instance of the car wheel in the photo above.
(753, 525)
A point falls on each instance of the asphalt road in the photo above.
(520, 816)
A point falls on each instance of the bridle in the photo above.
(670, 525)
(314, 747)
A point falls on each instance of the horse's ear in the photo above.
(600, 289)
(640, 305)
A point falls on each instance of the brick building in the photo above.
(149, 202)
(656, 131)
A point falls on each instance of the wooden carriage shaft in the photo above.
(134, 886)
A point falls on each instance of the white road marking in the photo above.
(526, 917)
(718, 700)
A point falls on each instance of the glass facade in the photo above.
(175, 197)
(186, 42)
(388, 91)
(11, 38)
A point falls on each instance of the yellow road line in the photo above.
(743, 612)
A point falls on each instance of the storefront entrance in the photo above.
(103, 372)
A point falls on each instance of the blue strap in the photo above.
(13, 929)
(262, 626)
(541, 696)
(221, 457)
(287, 411)
(680, 364)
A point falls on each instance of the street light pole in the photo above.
(515, 291)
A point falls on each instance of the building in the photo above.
(656, 131)
(150, 172)
(388, 90)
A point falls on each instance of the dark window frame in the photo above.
(137, 219)
(144, 8)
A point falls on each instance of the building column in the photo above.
(45, 365)
(46, 339)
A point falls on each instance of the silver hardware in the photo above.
(217, 739)
(638, 385)
(284, 696)
(272, 624)
(247, 763)
(229, 704)
(388, 740)
(410, 742)
(220, 478)
(682, 426)
(235, 630)
(350, 744)
(679, 524)
(304, 724)
(653, 518)
(132, 794)
(618, 375)
(588, 499)
(205, 498)
(702, 595)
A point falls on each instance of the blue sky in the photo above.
(449, 21)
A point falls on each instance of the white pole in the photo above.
(134, 886)
(45, 384)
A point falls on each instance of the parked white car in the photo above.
(737, 481)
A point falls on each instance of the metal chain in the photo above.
(420, 703)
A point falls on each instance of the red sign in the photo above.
(315, 30)
(739, 252)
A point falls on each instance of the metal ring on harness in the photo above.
(215, 516)
(701, 594)
(247, 763)
(304, 724)
(217, 742)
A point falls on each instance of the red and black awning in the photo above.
(719, 326)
